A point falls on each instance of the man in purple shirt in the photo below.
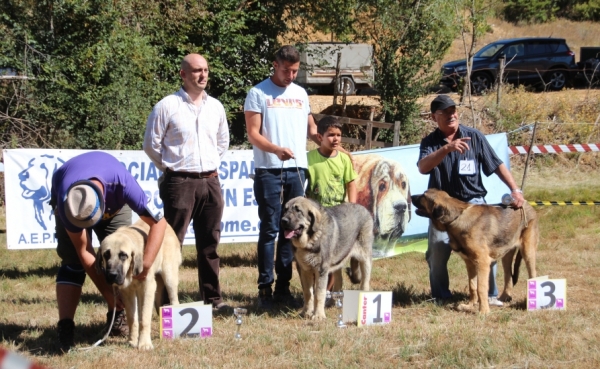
(94, 191)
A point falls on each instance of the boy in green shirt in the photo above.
(331, 174)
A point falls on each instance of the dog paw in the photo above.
(307, 313)
(146, 346)
(133, 344)
(466, 307)
(319, 316)
(505, 298)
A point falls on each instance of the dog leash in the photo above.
(109, 327)
(523, 214)
(299, 178)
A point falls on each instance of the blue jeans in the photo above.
(267, 191)
(437, 255)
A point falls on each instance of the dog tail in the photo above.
(517, 265)
(353, 271)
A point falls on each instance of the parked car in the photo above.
(589, 65)
(528, 60)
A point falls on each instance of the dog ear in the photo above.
(138, 262)
(444, 214)
(98, 263)
(315, 219)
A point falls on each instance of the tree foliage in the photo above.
(541, 11)
(100, 66)
(409, 37)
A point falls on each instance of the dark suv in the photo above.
(526, 60)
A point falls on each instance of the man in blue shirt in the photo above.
(453, 156)
(94, 191)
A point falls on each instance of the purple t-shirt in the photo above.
(120, 187)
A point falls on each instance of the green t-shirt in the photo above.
(328, 177)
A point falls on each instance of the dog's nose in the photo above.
(400, 207)
(111, 277)
(285, 221)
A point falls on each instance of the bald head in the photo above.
(191, 59)
(194, 73)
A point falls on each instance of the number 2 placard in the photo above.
(193, 319)
(544, 293)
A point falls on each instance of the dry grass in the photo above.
(420, 335)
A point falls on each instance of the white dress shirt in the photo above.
(184, 137)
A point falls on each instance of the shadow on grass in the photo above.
(15, 273)
(46, 343)
(519, 304)
(228, 261)
(249, 301)
(404, 296)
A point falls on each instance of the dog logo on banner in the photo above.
(36, 180)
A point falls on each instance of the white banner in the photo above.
(30, 220)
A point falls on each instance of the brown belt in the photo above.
(209, 174)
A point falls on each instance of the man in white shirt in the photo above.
(278, 119)
(186, 137)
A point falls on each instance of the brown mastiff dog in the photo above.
(481, 234)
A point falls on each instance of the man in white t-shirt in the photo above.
(278, 120)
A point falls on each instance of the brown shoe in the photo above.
(120, 327)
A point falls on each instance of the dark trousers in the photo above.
(199, 200)
(268, 185)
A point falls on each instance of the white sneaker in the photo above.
(493, 301)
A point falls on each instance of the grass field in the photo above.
(421, 334)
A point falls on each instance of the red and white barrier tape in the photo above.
(11, 360)
(554, 149)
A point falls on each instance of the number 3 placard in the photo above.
(367, 308)
(193, 319)
(544, 293)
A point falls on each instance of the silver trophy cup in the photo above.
(238, 313)
(338, 297)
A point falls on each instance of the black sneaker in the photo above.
(222, 309)
(265, 298)
(120, 327)
(66, 331)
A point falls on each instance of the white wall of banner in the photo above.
(30, 220)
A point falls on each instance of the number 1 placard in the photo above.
(193, 319)
(367, 308)
(544, 293)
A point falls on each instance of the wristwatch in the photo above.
(516, 190)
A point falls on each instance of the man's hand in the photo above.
(460, 144)
(142, 276)
(283, 153)
(518, 200)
